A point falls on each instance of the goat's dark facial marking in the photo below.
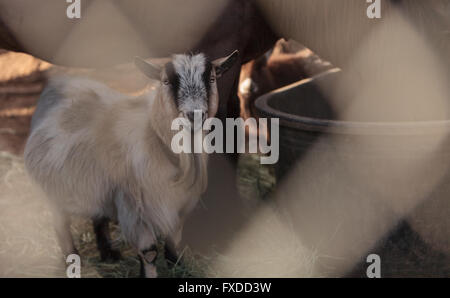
(173, 80)
(190, 80)
(207, 78)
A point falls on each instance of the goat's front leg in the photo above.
(147, 258)
(147, 251)
(103, 237)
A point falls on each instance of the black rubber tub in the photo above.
(306, 115)
(399, 169)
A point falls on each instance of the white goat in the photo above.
(101, 155)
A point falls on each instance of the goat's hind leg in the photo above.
(103, 237)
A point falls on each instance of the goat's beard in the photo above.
(193, 168)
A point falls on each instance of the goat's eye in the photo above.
(166, 82)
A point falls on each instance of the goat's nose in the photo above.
(190, 116)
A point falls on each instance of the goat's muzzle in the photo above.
(196, 118)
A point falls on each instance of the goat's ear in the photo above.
(151, 70)
(222, 65)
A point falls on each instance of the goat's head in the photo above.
(188, 82)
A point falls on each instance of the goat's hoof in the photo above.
(110, 255)
(172, 257)
(171, 262)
